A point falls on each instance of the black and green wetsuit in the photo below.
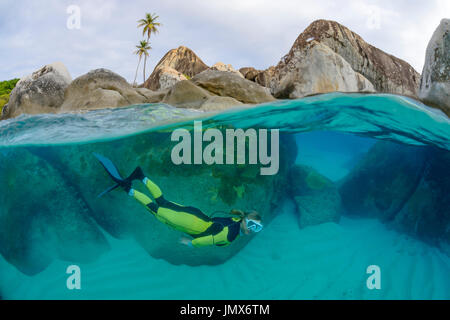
(206, 231)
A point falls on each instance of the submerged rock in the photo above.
(405, 186)
(230, 85)
(383, 180)
(317, 198)
(100, 88)
(435, 82)
(426, 213)
(40, 92)
(42, 217)
(176, 65)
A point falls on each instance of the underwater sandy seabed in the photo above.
(327, 261)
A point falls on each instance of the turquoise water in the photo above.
(362, 181)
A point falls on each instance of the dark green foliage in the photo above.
(5, 89)
(7, 86)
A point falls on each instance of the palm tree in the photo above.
(150, 26)
(142, 50)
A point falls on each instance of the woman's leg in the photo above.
(189, 220)
(183, 221)
(144, 200)
(153, 188)
(163, 203)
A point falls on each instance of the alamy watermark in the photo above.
(373, 17)
(74, 19)
(228, 150)
(374, 280)
(74, 280)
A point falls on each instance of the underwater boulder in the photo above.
(316, 197)
(383, 180)
(41, 217)
(405, 186)
(86, 177)
(426, 214)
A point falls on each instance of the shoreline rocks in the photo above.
(220, 66)
(185, 94)
(313, 69)
(387, 73)
(228, 84)
(100, 88)
(40, 92)
(435, 81)
(326, 57)
(249, 73)
(177, 64)
(166, 77)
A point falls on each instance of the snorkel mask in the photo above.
(253, 225)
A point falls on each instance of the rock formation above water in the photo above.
(386, 72)
(100, 88)
(40, 92)
(180, 62)
(435, 82)
(326, 57)
(220, 66)
(228, 84)
(315, 68)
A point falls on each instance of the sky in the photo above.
(242, 33)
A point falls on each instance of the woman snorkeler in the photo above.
(203, 230)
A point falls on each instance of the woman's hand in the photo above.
(186, 241)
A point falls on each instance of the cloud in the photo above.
(244, 33)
